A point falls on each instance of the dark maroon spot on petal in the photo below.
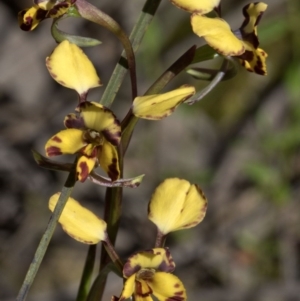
(74, 122)
(84, 171)
(139, 289)
(113, 172)
(246, 15)
(113, 138)
(24, 25)
(56, 139)
(55, 9)
(175, 298)
(129, 270)
(179, 293)
(247, 56)
(41, 14)
(177, 285)
(53, 151)
(83, 97)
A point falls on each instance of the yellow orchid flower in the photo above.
(30, 18)
(70, 67)
(159, 106)
(94, 135)
(242, 43)
(80, 223)
(176, 204)
(147, 273)
(196, 6)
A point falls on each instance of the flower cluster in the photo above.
(94, 132)
(176, 204)
(97, 138)
(30, 18)
(242, 43)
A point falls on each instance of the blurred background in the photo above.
(240, 144)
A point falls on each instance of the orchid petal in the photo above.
(159, 106)
(254, 61)
(217, 34)
(74, 122)
(142, 291)
(45, 5)
(70, 67)
(176, 204)
(201, 7)
(157, 258)
(30, 18)
(79, 222)
(167, 287)
(58, 9)
(252, 13)
(65, 142)
(109, 160)
(101, 119)
(128, 288)
(84, 166)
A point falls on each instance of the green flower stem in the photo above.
(128, 125)
(112, 213)
(93, 14)
(84, 287)
(218, 77)
(43, 245)
(184, 61)
(136, 37)
(98, 286)
(113, 254)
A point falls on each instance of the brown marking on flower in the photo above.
(74, 122)
(175, 298)
(247, 56)
(83, 97)
(113, 137)
(88, 242)
(61, 82)
(139, 289)
(41, 14)
(24, 24)
(246, 15)
(113, 172)
(53, 151)
(258, 68)
(180, 293)
(84, 171)
(56, 139)
(129, 270)
(168, 264)
(200, 191)
(58, 9)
